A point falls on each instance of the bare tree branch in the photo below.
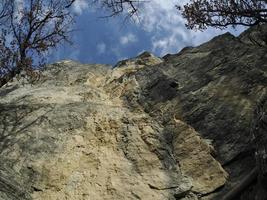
(201, 14)
(34, 27)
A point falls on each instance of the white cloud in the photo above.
(161, 19)
(19, 5)
(80, 5)
(130, 38)
(101, 48)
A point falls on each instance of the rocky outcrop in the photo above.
(176, 127)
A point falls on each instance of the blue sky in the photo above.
(159, 29)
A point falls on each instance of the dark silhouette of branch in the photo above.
(5, 9)
(201, 14)
(35, 27)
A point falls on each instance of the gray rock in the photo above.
(176, 127)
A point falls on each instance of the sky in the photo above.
(158, 29)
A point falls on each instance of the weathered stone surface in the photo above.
(150, 128)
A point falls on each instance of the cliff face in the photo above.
(176, 127)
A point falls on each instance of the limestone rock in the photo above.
(169, 128)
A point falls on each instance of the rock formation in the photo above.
(169, 128)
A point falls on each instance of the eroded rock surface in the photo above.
(169, 128)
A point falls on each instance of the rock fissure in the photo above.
(167, 188)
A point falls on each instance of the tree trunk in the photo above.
(7, 77)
